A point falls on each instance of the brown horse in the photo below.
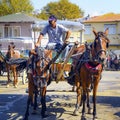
(11, 54)
(38, 79)
(89, 71)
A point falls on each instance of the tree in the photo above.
(63, 9)
(15, 6)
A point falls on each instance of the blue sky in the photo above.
(92, 7)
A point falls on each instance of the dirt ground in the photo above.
(61, 101)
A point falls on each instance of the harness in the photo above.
(93, 69)
(33, 65)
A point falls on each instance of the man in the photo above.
(55, 34)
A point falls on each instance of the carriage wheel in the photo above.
(1, 73)
(24, 77)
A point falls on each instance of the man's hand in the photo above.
(76, 42)
(36, 45)
(66, 41)
(33, 52)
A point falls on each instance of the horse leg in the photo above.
(83, 109)
(27, 109)
(15, 78)
(73, 88)
(30, 94)
(94, 101)
(35, 100)
(8, 76)
(88, 103)
(43, 102)
(78, 102)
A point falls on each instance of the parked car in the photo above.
(21, 43)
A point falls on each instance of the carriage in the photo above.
(56, 66)
(88, 69)
(4, 72)
(61, 70)
(91, 65)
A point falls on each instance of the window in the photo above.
(11, 31)
(71, 39)
(16, 31)
(112, 28)
(1, 31)
(88, 29)
(8, 31)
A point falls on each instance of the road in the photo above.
(61, 101)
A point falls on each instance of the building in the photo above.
(100, 23)
(17, 28)
(20, 27)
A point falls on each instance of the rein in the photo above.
(93, 49)
(97, 54)
(55, 58)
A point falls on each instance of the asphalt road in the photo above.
(61, 101)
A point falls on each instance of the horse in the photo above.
(38, 73)
(88, 72)
(11, 54)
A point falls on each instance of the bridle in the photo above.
(42, 58)
(11, 51)
(98, 41)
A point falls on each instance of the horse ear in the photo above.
(106, 31)
(14, 46)
(8, 46)
(94, 31)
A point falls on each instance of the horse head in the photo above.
(41, 57)
(11, 51)
(100, 45)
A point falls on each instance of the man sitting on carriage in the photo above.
(55, 33)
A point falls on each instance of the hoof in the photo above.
(83, 118)
(75, 113)
(90, 111)
(56, 81)
(25, 118)
(7, 86)
(34, 112)
(44, 116)
(95, 118)
(15, 86)
(73, 89)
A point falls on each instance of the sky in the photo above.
(91, 7)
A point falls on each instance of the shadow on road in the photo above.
(13, 106)
(112, 101)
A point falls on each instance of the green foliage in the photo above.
(15, 6)
(63, 9)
